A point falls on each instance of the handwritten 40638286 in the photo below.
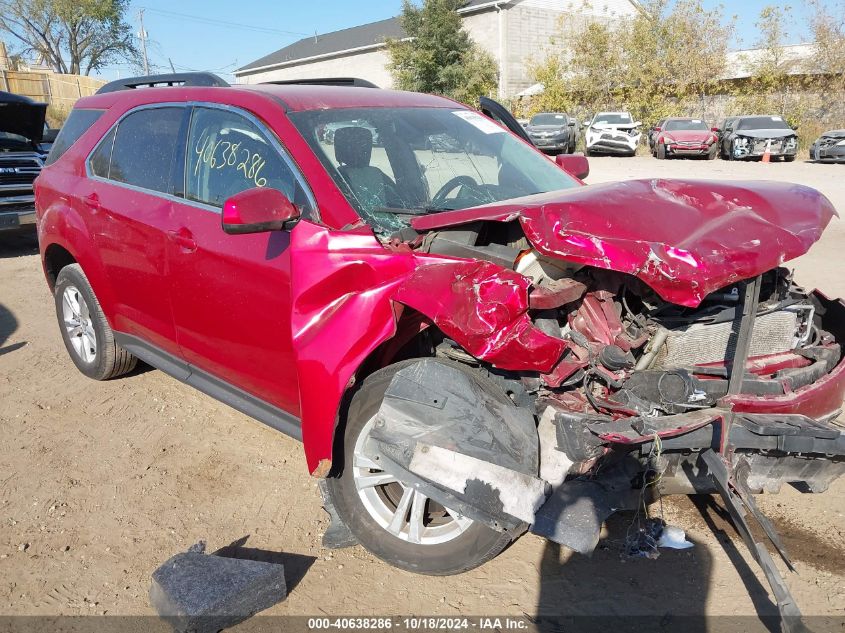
(221, 154)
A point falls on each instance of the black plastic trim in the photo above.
(171, 79)
(218, 389)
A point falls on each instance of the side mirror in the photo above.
(574, 164)
(657, 129)
(258, 210)
(715, 129)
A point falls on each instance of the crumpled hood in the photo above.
(834, 134)
(684, 238)
(773, 133)
(22, 116)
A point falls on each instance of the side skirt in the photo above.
(218, 389)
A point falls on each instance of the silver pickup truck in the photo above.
(24, 144)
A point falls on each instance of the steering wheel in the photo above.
(439, 198)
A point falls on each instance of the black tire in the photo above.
(731, 155)
(789, 158)
(473, 547)
(109, 360)
(711, 154)
(661, 151)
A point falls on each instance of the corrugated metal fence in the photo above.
(60, 91)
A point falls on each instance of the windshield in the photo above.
(762, 123)
(548, 118)
(613, 119)
(686, 124)
(394, 163)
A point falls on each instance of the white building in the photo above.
(514, 32)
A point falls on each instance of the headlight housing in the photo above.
(668, 139)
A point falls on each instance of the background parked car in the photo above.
(749, 136)
(829, 147)
(612, 133)
(678, 136)
(553, 132)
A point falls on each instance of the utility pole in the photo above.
(142, 34)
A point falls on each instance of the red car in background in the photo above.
(683, 137)
(469, 342)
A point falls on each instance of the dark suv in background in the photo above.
(553, 132)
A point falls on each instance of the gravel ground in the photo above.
(101, 482)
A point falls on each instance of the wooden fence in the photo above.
(60, 91)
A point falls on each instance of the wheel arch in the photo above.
(64, 239)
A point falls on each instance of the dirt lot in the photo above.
(101, 482)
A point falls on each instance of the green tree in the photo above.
(438, 56)
(72, 36)
(827, 66)
(645, 64)
(770, 89)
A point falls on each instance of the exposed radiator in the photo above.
(707, 343)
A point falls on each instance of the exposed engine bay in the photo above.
(638, 373)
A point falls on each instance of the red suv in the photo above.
(469, 342)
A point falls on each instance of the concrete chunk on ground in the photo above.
(204, 593)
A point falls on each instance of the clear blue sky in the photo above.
(222, 35)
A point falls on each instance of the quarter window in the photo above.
(144, 147)
(228, 154)
(76, 125)
(101, 157)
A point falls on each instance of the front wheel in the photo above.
(789, 158)
(394, 521)
(661, 151)
(86, 332)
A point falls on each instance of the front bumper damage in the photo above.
(487, 458)
(748, 147)
(611, 141)
(828, 150)
(684, 148)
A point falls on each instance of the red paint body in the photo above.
(291, 316)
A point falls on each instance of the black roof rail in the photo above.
(174, 79)
(353, 82)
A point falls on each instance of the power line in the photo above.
(226, 23)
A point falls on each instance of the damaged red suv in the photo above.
(468, 341)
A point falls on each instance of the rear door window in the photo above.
(76, 125)
(227, 153)
(145, 146)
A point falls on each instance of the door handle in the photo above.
(184, 239)
(92, 201)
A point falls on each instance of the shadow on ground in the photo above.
(8, 326)
(296, 565)
(666, 594)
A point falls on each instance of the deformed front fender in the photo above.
(346, 288)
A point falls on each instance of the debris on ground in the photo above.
(202, 593)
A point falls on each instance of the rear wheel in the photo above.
(393, 520)
(86, 332)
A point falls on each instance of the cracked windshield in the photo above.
(394, 163)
